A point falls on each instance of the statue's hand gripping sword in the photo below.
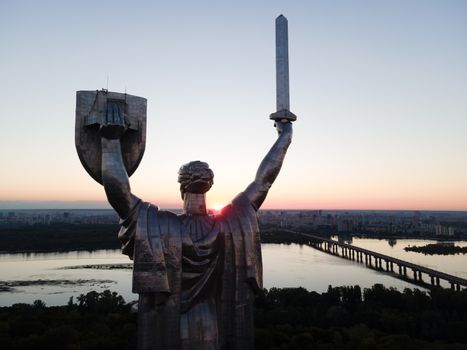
(283, 113)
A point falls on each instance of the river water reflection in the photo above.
(284, 266)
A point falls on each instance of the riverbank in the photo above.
(58, 238)
(41, 238)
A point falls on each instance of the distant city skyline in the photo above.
(379, 89)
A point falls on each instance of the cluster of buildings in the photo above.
(408, 223)
(52, 216)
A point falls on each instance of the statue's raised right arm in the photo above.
(114, 176)
(269, 168)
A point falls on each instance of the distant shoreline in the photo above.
(62, 238)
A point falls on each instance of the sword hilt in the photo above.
(283, 115)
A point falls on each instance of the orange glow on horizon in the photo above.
(277, 199)
(216, 206)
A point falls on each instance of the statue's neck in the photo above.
(194, 204)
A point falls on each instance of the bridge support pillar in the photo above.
(415, 275)
(458, 287)
(400, 270)
(392, 266)
(432, 280)
(437, 281)
(420, 276)
(387, 265)
(452, 286)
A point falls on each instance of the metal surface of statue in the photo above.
(91, 110)
(196, 274)
(282, 72)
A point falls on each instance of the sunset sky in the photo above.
(379, 88)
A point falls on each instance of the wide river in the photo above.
(47, 276)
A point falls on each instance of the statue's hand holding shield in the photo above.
(113, 116)
(115, 123)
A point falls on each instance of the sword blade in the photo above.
(282, 64)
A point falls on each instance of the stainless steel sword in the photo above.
(282, 73)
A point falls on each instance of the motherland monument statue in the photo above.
(196, 274)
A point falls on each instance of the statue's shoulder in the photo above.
(241, 202)
(150, 209)
(170, 215)
(239, 207)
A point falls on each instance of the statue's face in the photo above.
(195, 177)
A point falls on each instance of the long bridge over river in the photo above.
(383, 262)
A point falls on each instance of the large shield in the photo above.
(91, 108)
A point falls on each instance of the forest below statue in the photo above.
(289, 318)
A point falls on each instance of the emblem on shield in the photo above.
(91, 108)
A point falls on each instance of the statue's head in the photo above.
(195, 177)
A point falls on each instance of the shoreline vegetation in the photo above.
(437, 249)
(58, 238)
(122, 266)
(9, 286)
(41, 238)
(285, 319)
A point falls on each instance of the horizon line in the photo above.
(261, 209)
(101, 205)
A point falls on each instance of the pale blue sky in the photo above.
(380, 89)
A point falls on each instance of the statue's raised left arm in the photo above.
(269, 168)
(114, 176)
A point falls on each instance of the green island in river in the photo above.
(437, 249)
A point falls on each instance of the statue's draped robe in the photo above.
(196, 276)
